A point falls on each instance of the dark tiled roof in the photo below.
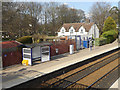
(9, 44)
(38, 44)
(76, 26)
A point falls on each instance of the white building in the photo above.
(76, 29)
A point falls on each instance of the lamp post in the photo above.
(90, 47)
(119, 24)
(94, 35)
(30, 27)
(70, 35)
(119, 37)
(32, 37)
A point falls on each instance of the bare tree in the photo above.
(114, 13)
(81, 15)
(10, 18)
(99, 12)
(34, 10)
(28, 18)
(52, 12)
(63, 14)
(45, 17)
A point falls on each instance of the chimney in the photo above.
(87, 20)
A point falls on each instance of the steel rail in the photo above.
(101, 77)
(85, 75)
(82, 70)
(82, 85)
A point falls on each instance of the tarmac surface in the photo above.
(17, 74)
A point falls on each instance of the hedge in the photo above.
(110, 35)
(6, 39)
(100, 41)
(25, 39)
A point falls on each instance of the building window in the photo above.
(62, 31)
(81, 31)
(71, 31)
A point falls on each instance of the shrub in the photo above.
(25, 39)
(38, 41)
(110, 35)
(109, 24)
(6, 39)
(100, 41)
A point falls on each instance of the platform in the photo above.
(17, 74)
(116, 85)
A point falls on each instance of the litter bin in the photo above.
(71, 49)
(25, 62)
(85, 44)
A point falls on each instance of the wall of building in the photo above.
(91, 32)
(62, 46)
(11, 58)
(94, 30)
(66, 33)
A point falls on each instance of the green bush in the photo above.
(6, 39)
(25, 39)
(110, 35)
(109, 24)
(100, 41)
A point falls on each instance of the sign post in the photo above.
(90, 44)
(94, 43)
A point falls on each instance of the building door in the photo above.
(78, 42)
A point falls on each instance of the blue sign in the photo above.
(5, 55)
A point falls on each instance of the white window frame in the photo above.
(71, 31)
(81, 31)
(62, 31)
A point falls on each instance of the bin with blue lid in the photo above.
(85, 44)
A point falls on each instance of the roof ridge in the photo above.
(78, 23)
(72, 23)
(76, 26)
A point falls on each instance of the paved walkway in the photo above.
(116, 85)
(17, 74)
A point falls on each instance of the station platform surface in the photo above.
(17, 74)
(116, 85)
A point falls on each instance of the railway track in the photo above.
(94, 78)
(87, 76)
